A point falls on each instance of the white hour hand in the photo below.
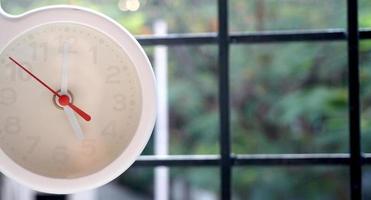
(74, 123)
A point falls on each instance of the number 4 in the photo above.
(110, 129)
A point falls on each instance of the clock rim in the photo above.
(148, 93)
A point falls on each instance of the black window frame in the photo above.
(226, 160)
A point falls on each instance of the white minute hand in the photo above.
(64, 88)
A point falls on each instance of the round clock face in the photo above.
(44, 133)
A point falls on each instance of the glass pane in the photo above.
(365, 92)
(138, 16)
(135, 184)
(192, 98)
(194, 183)
(364, 7)
(289, 98)
(291, 183)
(263, 15)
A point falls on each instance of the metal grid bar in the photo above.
(354, 101)
(179, 39)
(256, 37)
(178, 160)
(224, 139)
(292, 159)
(250, 160)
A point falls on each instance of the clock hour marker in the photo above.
(7, 96)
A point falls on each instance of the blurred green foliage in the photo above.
(285, 97)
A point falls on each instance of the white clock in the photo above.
(77, 99)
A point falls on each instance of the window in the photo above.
(283, 97)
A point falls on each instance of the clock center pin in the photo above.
(63, 100)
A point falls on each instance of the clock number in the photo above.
(88, 147)
(60, 154)
(94, 52)
(120, 102)
(34, 142)
(110, 129)
(7, 96)
(71, 40)
(17, 74)
(39, 51)
(113, 74)
(12, 125)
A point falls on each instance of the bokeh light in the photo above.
(129, 5)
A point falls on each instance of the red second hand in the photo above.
(83, 114)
